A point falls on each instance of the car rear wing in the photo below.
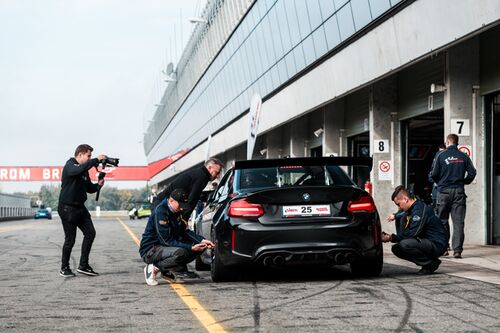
(306, 161)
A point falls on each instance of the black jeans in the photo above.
(452, 202)
(417, 250)
(169, 258)
(72, 218)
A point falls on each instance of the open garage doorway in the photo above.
(421, 138)
(359, 146)
(316, 151)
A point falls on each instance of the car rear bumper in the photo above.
(254, 243)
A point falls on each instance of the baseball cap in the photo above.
(181, 197)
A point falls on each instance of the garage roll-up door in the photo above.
(414, 87)
(356, 111)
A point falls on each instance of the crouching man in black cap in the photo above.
(421, 237)
(167, 245)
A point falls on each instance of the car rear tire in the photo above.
(219, 271)
(368, 267)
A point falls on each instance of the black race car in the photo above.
(287, 212)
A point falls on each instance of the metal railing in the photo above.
(13, 207)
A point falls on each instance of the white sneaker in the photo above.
(150, 275)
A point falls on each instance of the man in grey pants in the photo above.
(167, 245)
(451, 171)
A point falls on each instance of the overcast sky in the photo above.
(83, 71)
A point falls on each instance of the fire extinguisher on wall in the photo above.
(368, 187)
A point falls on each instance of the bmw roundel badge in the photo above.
(306, 196)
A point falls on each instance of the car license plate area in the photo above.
(306, 210)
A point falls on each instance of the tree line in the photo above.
(110, 198)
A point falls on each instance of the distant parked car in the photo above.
(43, 213)
(144, 211)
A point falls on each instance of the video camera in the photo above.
(107, 161)
(113, 161)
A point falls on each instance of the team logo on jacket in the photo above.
(452, 159)
(416, 218)
(306, 196)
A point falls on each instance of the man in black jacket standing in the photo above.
(74, 188)
(452, 170)
(193, 182)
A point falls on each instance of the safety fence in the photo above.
(15, 207)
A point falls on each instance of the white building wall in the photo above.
(421, 28)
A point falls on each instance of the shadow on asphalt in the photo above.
(305, 273)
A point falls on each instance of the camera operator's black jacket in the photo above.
(76, 182)
(192, 182)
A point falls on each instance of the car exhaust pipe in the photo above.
(349, 257)
(340, 258)
(279, 260)
(268, 261)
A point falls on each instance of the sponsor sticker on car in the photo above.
(306, 210)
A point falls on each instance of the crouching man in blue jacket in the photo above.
(167, 245)
(421, 237)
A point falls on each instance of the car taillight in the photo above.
(243, 208)
(364, 204)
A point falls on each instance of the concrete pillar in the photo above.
(314, 122)
(461, 103)
(334, 123)
(285, 140)
(298, 137)
(384, 126)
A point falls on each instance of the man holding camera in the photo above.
(167, 244)
(74, 188)
(421, 237)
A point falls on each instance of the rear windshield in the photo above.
(287, 176)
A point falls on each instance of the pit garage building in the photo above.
(382, 78)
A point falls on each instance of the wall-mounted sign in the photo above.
(254, 117)
(380, 146)
(465, 149)
(385, 170)
(460, 127)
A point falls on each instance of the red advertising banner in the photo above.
(156, 167)
(122, 173)
(32, 174)
(51, 173)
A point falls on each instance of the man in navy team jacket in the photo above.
(421, 237)
(452, 170)
(167, 244)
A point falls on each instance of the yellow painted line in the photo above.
(205, 318)
(130, 232)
